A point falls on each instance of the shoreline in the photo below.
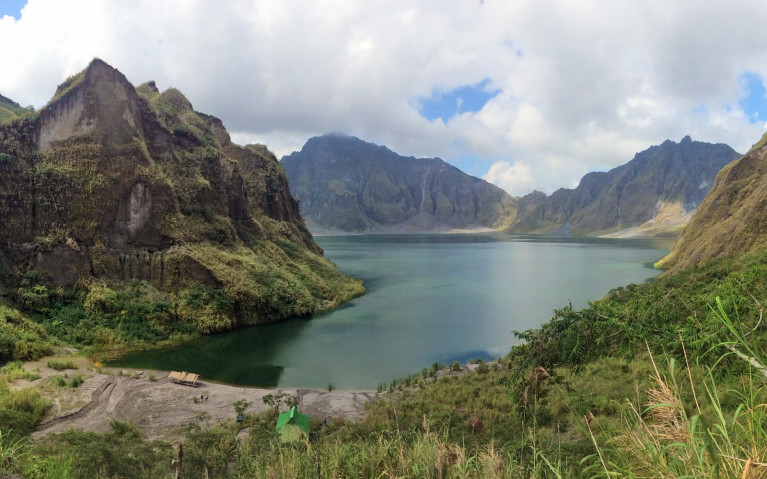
(162, 409)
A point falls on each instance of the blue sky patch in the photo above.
(754, 104)
(12, 8)
(445, 105)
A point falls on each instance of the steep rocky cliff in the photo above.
(659, 188)
(346, 184)
(733, 217)
(109, 184)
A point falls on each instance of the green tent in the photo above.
(293, 426)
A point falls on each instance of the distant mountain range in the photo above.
(653, 194)
(344, 184)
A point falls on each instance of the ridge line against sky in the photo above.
(527, 95)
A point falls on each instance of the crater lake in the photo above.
(430, 298)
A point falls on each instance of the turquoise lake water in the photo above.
(430, 298)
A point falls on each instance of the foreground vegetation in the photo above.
(655, 380)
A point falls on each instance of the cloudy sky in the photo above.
(526, 94)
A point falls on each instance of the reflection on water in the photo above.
(430, 298)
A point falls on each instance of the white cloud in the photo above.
(514, 178)
(584, 85)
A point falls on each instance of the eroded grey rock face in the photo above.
(109, 182)
(107, 107)
(65, 120)
(135, 213)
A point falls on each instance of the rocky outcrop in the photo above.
(99, 100)
(346, 184)
(112, 183)
(661, 186)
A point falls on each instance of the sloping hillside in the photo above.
(733, 217)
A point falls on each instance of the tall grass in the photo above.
(422, 454)
(666, 439)
(12, 452)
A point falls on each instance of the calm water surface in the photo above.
(429, 298)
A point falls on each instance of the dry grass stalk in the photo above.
(663, 422)
(596, 446)
(492, 460)
(664, 409)
(441, 461)
(746, 469)
(689, 373)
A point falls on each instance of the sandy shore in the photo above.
(161, 408)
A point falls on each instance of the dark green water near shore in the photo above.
(430, 298)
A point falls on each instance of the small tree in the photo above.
(276, 400)
(240, 406)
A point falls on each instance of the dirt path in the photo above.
(163, 409)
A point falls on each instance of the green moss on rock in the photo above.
(134, 187)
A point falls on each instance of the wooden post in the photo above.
(178, 461)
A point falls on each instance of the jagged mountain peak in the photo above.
(341, 142)
(99, 101)
(634, 194)
(347, 184)
(151, 86)
(96, 71)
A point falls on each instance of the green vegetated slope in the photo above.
(346, 184)
(10, 110)
(733, 217)
(661, 184)
(581, 398)
(129, 217)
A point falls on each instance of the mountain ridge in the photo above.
(654, 194)
(661, 179)
(346, 184)
(108, 184)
